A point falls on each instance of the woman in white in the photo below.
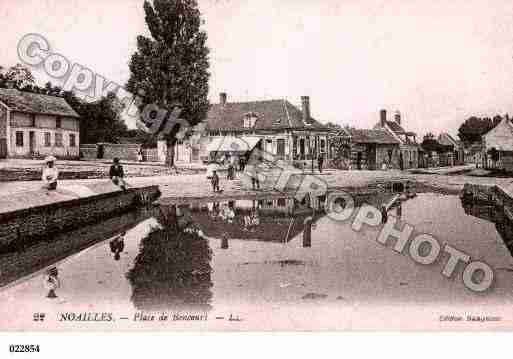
(50, 173)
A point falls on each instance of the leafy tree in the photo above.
(171, 67)
(101, 120)
(172, 270)
(473, 128)
(19, 76)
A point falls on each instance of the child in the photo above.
(215, 181)
(50, 173)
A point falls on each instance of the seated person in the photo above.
(50, 174)
(116, 174)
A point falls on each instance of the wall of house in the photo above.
(3, 122)
(374, 156)
(3, 132)
(383, 156)
(43, 127)
(410, 156)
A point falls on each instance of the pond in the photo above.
(244, 265)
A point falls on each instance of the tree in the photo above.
(473, 128)
(19, 76)
(101, 120)
(171, 67)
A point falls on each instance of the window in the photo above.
(58, 122)
(33, 120)
(19, 139)
(281, 202)
(58, 139)
(72, 140)
(48, 139)
(250, 120)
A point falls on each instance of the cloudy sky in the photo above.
(437, 62)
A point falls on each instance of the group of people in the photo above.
(251, 221)
(50, 174)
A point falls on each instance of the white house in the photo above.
(35, 125)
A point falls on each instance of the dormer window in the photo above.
(250, 119)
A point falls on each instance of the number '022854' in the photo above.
(27, 348)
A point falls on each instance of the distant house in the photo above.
(498, 146)
(276, 127)
(456, 156)
(409, 148)
(373, 149)
(35, 125)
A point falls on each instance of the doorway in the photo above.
(32, 142)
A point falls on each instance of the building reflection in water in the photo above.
(269, 220)
(492, 213)
(172, 270)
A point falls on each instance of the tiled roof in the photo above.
(36, 103)
(394, 126)
(379, 136)
(447, 140)
(271, 114)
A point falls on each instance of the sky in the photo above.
(437, 62)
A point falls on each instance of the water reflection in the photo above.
(52, 282)
(268, 220)
(487, 210)
(172, 269)
(117, 245)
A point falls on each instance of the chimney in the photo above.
(382, 117)
(222, 98)
(305, 107)
(397, 117)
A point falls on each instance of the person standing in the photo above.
(215, 181)
(50, 173)
(117, 174)
(320, 161)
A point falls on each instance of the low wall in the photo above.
(122, 151)
(31, 174)
(88, 151)
(18, 264)
(18, 228)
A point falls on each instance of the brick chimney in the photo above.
(305, 107)
(383, 117)
(397, 117)
(222, 98)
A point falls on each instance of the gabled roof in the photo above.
(33, 103)
(446, 139)
(500, 137)
(394, 126)
(378, 136)
(271, 114)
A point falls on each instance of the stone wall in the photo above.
(88, 151)
(122, 151)
(17, 227)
